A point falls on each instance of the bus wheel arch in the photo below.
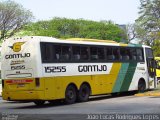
(141, 85)
(71, 93)
(84, 92)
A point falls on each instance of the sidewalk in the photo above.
(155, 93)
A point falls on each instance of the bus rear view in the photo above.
(19, 80)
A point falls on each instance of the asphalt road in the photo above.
(101, 105)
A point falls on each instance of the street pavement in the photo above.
(106, 104)
(103, 105)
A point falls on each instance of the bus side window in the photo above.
(62, 52)
(46, 52)
(133, 54)
(93, 53)
(139, 54)
(66, 53)
(122, 52)
(57, 49)
(97, 53)
(76, 53)
(57, 56)
(101, 53)
(126, 55)
(149, 53)
(110, 55)
(84, 53)
(116, 53)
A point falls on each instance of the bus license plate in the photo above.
(20, 85)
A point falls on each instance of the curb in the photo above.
(155, 93)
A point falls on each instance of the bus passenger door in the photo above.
(152, 83)
(151, 73)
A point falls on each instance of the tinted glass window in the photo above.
(101, 53)
(149, 53)
(84, 53)
(140, 54)
(133, 54)
(57, 52)
(97, 53)
(125, 53)
(76, 50)
(47, 52)
(62, 53)
(116, 53)
(110, 55)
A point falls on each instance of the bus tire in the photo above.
(39, 102)
(70, 94)
(141, 86)
(84, 92)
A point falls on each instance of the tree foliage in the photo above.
(67, 28)
(12, 18)
(149, 21)
(156, 48)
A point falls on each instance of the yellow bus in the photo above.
(157, 59)
(0, 72)
(43, 69)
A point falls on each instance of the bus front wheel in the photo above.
(70, 94)
(84, 93)
(141, 86)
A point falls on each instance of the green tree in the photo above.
(12, 18)
(156, 48)
(67, 28)
(149, 21)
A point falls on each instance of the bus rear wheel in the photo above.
(141, 86)
(70, 94)
(84, 93)
(39, 102)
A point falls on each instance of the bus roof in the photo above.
(73, 41)
(69, 41)
(91, 40)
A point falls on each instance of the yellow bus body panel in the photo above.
(52, 88)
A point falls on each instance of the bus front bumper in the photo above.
(23, 95)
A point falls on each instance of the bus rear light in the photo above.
(37, 82)
(2, 83)
(19, 81)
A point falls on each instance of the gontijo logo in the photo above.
(17, 46)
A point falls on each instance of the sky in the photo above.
(118, 11)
